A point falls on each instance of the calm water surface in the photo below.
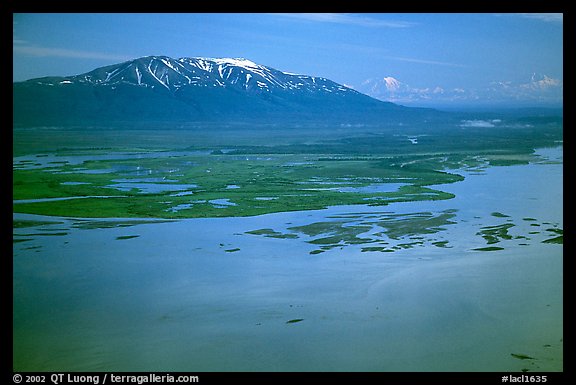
(203, 295)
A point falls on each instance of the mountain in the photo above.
(386, 88)
(535, 89)
(393, 90)
(162, 90)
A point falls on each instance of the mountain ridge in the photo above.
(195, 89)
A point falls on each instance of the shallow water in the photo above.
(205, 295)
(39, 161)
(20, 201)
(373, 188)
(149, 188)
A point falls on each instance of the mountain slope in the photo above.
(163, 90)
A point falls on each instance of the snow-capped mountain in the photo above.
(393, 90)
(163, 89)
(387, 88)
(537, 88)
(174, 74)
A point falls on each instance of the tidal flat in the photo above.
(443, 272)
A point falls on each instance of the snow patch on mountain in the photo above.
(392, 84)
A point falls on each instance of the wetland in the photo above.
(348, 249)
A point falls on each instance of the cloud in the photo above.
(30, 50)
(347, 19)
(547, 17)
(422, 61)
(478, 123)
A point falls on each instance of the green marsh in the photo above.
(182, 173)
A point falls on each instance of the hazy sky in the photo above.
(472, 55)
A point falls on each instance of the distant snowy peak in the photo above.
(383, 88)
(542, 82)
(533, 87)
(392, 84)
(175, 74)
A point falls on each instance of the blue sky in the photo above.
(434, 58)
